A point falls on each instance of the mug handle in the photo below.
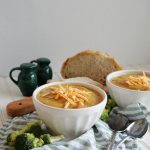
(10, 74)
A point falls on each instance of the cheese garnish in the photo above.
(140, 82)
(73, 96)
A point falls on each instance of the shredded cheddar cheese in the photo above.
(73, 96)
(140, 82)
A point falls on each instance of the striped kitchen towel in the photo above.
(97, 138)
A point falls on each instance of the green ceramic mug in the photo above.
(27, 78)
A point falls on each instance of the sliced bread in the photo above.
(90, 63)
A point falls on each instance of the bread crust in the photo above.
(94, 57)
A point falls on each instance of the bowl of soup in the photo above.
(69, 108)
(129, 86)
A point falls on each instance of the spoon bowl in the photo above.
(117, 123)
(137, 129)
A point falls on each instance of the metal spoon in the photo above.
(117, 123)
(137, 129)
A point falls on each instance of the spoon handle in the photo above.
(112, 141)
(118, 144)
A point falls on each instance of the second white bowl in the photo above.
(124, 96)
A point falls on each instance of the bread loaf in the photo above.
(90, 63)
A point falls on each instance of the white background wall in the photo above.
(59, 28)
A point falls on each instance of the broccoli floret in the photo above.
(31, 127)
(105, 115)
(12, 137)
(47, 138)
(36, 129)
(24, 141)
(31, 136)
(38, 142)
(109, 106)
(27, 141)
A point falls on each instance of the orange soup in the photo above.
(69, 96)
(134, 81)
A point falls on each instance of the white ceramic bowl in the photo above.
(124, 96)
(69, 122)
